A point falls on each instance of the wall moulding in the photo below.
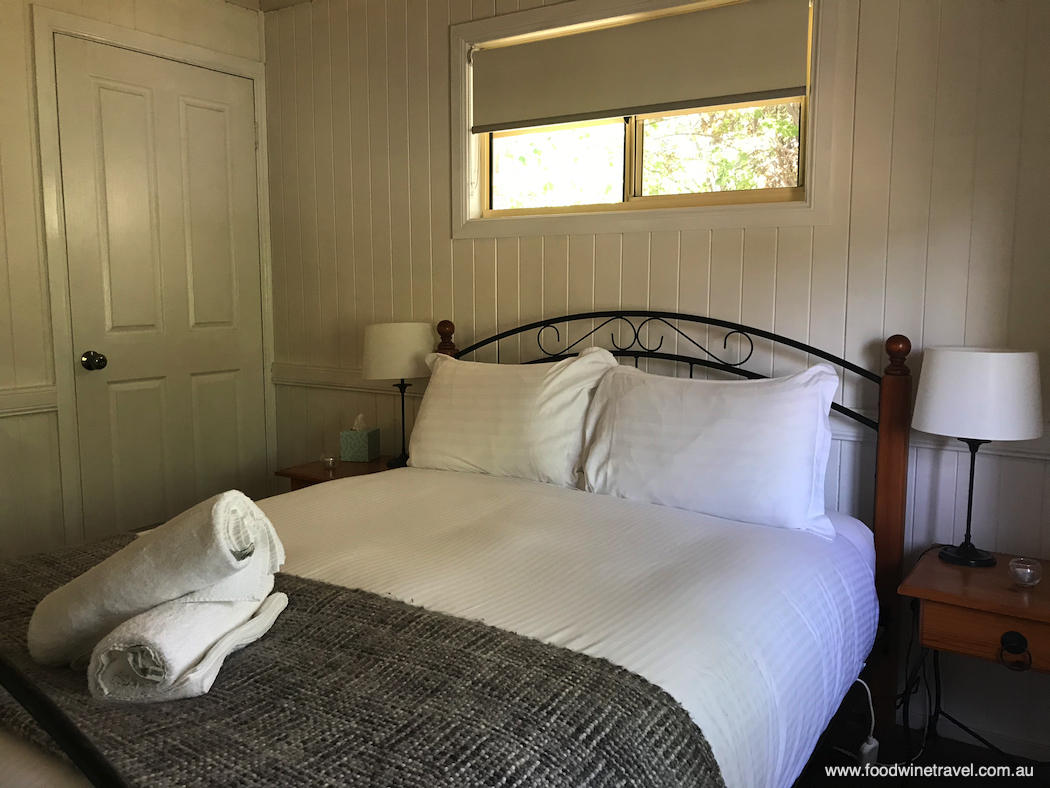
(36, 399)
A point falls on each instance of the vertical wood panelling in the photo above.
(361, 170)
(944, 237)
(727, 269)
(995, 170)
(912, 144)
(607, 270)
(791, 309)
(555, 284)
(581, 284)
(951, 176)
(307, 172)
(530, 288)
(324, 154)
(485, 294)
(694, 279)
(663, 295)
(1029, 319)
(440, 175)
(342, 186)
(507, 297)
(378, 119)
(293, 294)
(276, 164)
(869, 201)
(420, 253)
(463, 291)
(758, 289)
(399, 158)
(30, 494)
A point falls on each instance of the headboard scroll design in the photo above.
(639, 326)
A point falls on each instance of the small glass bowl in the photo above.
(1026, 572)
(328, 461)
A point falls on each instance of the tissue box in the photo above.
(359, 445)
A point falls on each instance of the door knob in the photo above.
(93, 360)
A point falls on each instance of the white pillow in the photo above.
(521, 420)
(754, 450)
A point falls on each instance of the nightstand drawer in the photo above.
(977, 633)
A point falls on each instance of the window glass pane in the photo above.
(724, 150)
(575, 164)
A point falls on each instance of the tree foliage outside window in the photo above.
(726, 150)
(718, 150)
(576, 165)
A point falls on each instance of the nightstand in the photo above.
(968, 610)
(314, 472)
(978, 612)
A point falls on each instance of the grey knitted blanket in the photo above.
(354, 689)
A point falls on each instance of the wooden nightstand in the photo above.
(976, 612)
(968, 611)
(314, 472)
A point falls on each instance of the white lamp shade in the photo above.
(397, 350)
(979, 393)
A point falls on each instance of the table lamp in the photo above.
(978, 395)
(397, 351)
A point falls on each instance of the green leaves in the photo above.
(725, 150)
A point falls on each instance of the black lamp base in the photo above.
(967, 555)
(398, 462)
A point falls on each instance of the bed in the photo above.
(757, 632)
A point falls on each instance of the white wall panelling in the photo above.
(943, 237)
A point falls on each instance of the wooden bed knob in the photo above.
(898, 347)
(445, 329)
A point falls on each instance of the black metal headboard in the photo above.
(635, 321)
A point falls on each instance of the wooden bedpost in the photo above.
(891, 496)
(445, 329)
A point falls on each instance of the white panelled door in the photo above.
(162, 228)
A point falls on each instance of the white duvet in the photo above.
(757, 631)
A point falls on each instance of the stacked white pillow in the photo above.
(520, 420)
(754, 451)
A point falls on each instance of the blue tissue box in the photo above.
(359, 445)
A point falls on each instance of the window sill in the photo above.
(630, 219)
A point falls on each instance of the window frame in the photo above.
(828, 133)
(633, 149)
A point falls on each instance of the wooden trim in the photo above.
(46, 24)
(787, 194)
(891, 498)
(19, 402)
(340, 378)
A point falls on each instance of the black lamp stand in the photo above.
(402, 460)
(966, 554)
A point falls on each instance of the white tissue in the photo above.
(359, 422)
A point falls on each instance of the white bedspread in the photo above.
(757, 631)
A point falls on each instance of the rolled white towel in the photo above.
(223, 549)
(176, 649)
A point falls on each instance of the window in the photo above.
(770, 65)
(724, 154)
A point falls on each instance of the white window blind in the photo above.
(745, 51)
